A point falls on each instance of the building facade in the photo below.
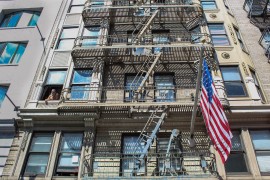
(116, 91)
(25, 29)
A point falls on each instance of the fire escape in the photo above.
(259, 13)
(140, 46)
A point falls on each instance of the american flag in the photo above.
(215, 120)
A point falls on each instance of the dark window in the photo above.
(54, 82)
(38, 154)
(11, 20)
(209, 4)
(164, 88)
(132, 82)
(130, 147)
(80, 87)
(67, 37)
(218, 35)
(261, 144)
(69, 154)
(11, 52)
(233, 81)
(239, 39)
(236, 161)
(3, 91)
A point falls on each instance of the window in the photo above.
(76, 6)
(129, 146)
(218, 35)
(195, 36)
(6, 139)
(67, 37)
(233, 82)
(257, 84)
(261, 144)
(209, 4)
(80, 87)
(69, 154)
(164, 88)
(160, 37)
(11, 52)
(11, 20)
(239, 38)
(38, 155)
(55, 80)
(265, 41)
(236, 161)
(34, 19)
(3, 91)
(92, 34)
(132, 83)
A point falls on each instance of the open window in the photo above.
(54, 83)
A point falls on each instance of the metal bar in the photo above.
(198, 85)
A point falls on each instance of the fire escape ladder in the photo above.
(193, 22)
(152, 125)
(143, 26)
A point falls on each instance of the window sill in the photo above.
(9, 65)
(11, 28)
(223, 48)
(65, 177)
(212, 11)
(62, 50)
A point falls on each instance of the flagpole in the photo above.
(198, 85)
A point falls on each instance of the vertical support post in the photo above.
(198, 85)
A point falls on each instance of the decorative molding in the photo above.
(28, 123)
(245, 69)
(225, 55)
(213, 16)
(89, 123)
(232, 34)
(24, 140)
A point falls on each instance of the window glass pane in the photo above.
(164, 88)
(220, 40)
(263, 159)
(3, 91)
(34, 19)
(130, 144)
(68, 161)
(37, 164)
(236, 163)
(5, 21)
(41, 143)
(82, 77)
(71, 142)
(131, 85)
(69, 33)
(234, 89)
(76, 9)
(236, 142)
(261, 140)
(80, 92)
(8, 53)
(14, 19)
(19, 53)
(208, 5)
(66, 44)
(230, 74)
(254, 78)
(56, 77)
(216, 29)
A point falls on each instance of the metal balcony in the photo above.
(258, 12)
(109, 98)
(183, 47)
(120, 166)
(124, 11)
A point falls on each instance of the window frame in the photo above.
(219, 34)
(81, 84)
(202, 1)
(9, 16)
(29, 153)
(67, 38)
(19, 44)
(172, 89)
(240, 81)
(130, 96)
(242, 151)
(260, 150)
(257, 84)
(33, 14)
(60, 152)
(6, 87)
(74, 5)
(239, 37)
